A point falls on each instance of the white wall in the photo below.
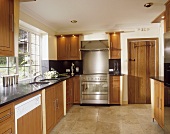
(154, 32)
(49, 44)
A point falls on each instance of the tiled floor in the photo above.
(129, 119)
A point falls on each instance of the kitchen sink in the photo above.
(40, 82)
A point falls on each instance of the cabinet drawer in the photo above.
(6, 113)
(7, 128)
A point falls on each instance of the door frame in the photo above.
(156, 54)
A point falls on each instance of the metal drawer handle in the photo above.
(4, 117)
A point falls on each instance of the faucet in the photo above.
(40, 75)
(72, 69)
(36, 76)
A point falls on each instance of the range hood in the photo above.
(94, 45)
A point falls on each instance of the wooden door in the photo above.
(31, 123)
(76, 81)
(50, 108)
(114, 89)
(115, 51)
(141, 66)
(7, 28)
(62, 48)
(59, 102)
(73, 50)
(151, 68)
(141, 61)
(131, 73)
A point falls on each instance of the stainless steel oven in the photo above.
(94, 89)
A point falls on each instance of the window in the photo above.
(29, 53)
(28, 60)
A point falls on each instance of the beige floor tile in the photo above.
(152, 128)
(128, 119)
(72, 117)
(84, 127)
(88, 117)
(108, 128)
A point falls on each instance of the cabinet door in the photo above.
(62, 48)
(76, 82)
(161, 104)
(7, 128)
(69, 93)
(73, 50)
(167, 14)
(156, 100)
(30, 123)
(50, 109)
(114, 89)
(59, 102)
(115, 50)
(7, 28)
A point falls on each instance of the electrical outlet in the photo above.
(77, 69)
(67, 70)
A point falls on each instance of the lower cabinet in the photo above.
(76, 82)
(54, 105)
(7, 119)
(69, 93)
(31, 122)
(114, 89)
(159, 102)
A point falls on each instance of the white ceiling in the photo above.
(93, 15)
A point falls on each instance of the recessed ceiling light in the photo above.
(148, 4)
(74, 21)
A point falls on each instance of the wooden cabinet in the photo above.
(59, 110)
(69, 93)
(9, 26)
(76, 88)
(31, 122)
(50, 108)
(115, 49)
(54, 105)
(7, 119)
(114, 89)
(159, 102)
(68, 48)
(167, 16)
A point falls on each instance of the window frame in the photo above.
(30, 31)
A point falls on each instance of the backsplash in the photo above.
(62, 65)
(115, 64)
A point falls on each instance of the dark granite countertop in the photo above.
(22, 89)
(158, 78)
(110, 74)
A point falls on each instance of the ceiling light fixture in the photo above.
(148, 4)
(74, 21)
(163, 17)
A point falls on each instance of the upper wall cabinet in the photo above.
(9, 26)
(68, 47)
(115, 49)
(167, 16)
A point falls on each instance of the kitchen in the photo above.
(50, 57)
